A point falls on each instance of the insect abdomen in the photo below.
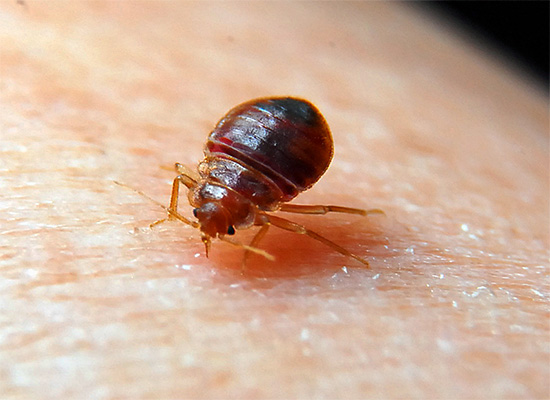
(285, 143)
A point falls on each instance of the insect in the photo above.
(260, 155)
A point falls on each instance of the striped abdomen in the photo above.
(268, 150)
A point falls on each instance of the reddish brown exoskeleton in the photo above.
(260, 155)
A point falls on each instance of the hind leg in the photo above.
(302, 230)
(321, 209)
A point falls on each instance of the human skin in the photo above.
(450, 142)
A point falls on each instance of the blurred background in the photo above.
(519, 30)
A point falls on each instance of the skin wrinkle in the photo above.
(449, 142)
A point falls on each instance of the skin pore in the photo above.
(448, 141)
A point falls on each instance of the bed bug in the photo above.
(260, 155)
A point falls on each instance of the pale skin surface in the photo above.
(451, 145)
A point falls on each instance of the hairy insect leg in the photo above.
(182, 169)
(174, 197)
(321, 209)
(254, 243)
(302, 230)
(187, 181)
(174, 214)
(185, 170)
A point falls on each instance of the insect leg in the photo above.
(254, 243)
(185, 170)
(302, 230)
(320, 209)
(255, 250)
(173, 208)
(187, 181)
(175, 214)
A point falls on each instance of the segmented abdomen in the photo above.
(269, 150)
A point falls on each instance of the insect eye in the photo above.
(195, 210)
(230, 230)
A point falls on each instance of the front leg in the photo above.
(174, 197)
(187, 181)
(182, 169)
